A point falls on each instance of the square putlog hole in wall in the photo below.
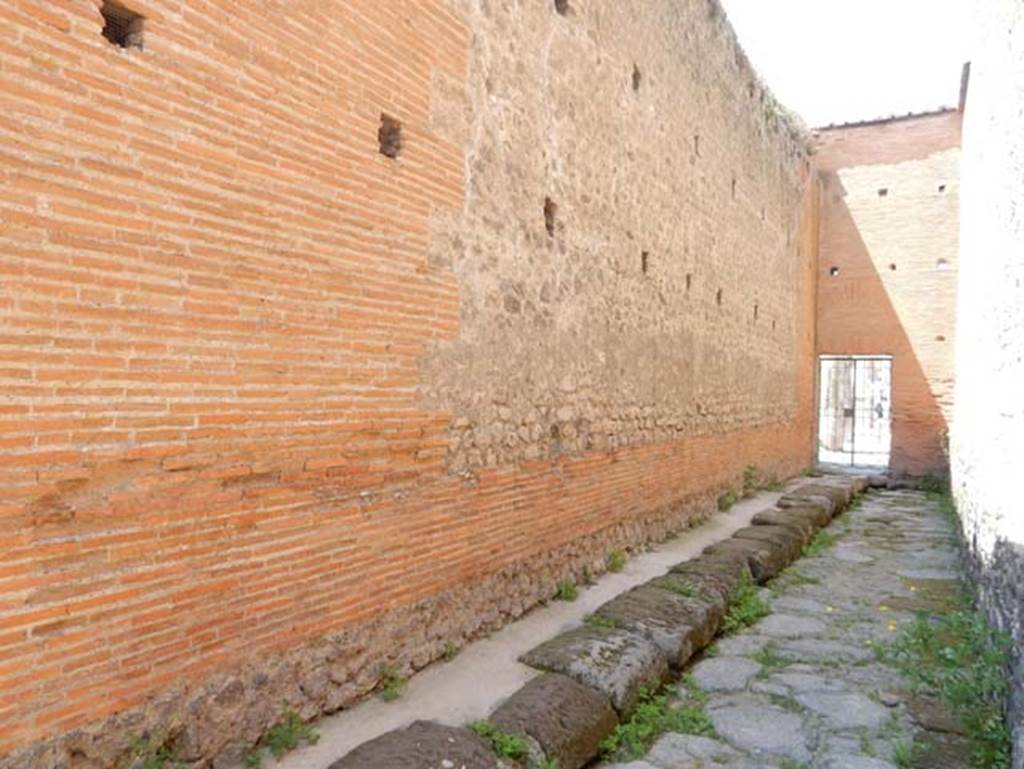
(562, 6)
(122, 26)
(390, 136)
(550, 215)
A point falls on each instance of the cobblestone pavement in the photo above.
(803, 687)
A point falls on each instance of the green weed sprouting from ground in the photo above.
(655, 715)
(566, 591)
(769, 660)
(903, 754)
(965, 662)
(746, 608)
(392, 682)
(751, 480)
(774, 484)
(791, 578)
(726, 500)
(822, 541)
(933, 484)
(785, 702)
(616, 561)
(503, 744)
(450, 651)
(283, 737)
(153, 755)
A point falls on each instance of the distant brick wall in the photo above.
(890, 230)
(277, 407)
(987, 435)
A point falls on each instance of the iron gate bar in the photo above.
(877, 371)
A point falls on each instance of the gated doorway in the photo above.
(855, 410)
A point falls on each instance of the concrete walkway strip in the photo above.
(642, 630)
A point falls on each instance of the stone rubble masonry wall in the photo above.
(897, 257)
(987, 438)
(276, 409)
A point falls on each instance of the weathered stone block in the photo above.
(727, 568)
(421, 744)
(678, 625)
(808, 500)
(765, 559)
(567, 719)
(707, 587)
(614, 661)
(788, 539)
(803, 525)
(839, 493)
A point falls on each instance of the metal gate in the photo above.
(854, 410)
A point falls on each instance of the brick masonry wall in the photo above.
(278, 409)
(890, 205)
(987, 436)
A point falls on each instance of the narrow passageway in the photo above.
(806, 686)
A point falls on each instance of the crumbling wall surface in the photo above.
(987, 437)
(288, 398)
(887, 273)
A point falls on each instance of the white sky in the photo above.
(836, 61)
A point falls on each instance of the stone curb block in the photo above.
(765, 559)
(566, 719)
(803, 526)
(788, 540)
(423, 743)
(617, 662)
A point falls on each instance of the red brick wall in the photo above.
(214, 299)
(897, 254)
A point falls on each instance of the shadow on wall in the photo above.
(856, 316)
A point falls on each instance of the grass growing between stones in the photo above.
(965, 662)
(283, 737)
(655, 715)
(503, 744)
(769, 660)
(822, 541)
(746, 608)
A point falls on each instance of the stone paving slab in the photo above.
(824, 701)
